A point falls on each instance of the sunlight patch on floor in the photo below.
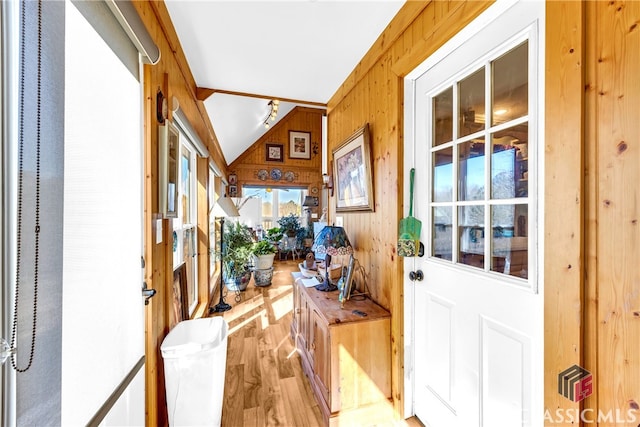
(262, 313)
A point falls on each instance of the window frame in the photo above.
(180, 226)
(531, 118)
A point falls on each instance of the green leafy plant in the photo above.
(263, 247)
(274, 235)
(305, 233)
(236, 249)
(289, 225)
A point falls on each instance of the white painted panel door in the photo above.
(478, 312)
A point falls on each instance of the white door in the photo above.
(477, 313)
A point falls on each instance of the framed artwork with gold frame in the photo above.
(352, 173)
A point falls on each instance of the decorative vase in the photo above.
(238, 283)
(263, 277)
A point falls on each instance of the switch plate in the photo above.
(158, 231)
(339, 221)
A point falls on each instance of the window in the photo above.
(214, 232)
(276, 203)
(185, 225)
(480, 174)
(267, 210)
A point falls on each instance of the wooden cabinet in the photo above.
(346, 357)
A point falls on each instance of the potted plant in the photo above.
(264, 252)
(289, 225)
(305, 236)
(274, 235)
(236, 251)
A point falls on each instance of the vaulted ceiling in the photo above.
(298, 51)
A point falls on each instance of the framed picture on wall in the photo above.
(352, 172)
(168, 147)
(275, 152)
(233, 191)
(299, 145)
(233, 179)
(179, 306)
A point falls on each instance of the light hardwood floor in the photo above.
(265, 384)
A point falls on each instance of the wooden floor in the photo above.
(265, 384)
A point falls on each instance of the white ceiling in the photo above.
(296, 49)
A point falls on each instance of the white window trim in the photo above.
(179, 226)
(531, 35)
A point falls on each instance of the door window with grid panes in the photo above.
(480, 205)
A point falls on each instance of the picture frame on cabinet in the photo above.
(346, 287)
(299, 145)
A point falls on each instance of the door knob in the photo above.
(416, 275)
(147, 293)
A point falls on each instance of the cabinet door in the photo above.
(319, 351)
(297, 309)
(304, 336)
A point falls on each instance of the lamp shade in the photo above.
(331, 240)
(310, 201)
(224, 207)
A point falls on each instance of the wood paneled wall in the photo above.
(307, 172)
(612, 154)
(563, 183)
(592, 199)
(373, 94)
(173, 77)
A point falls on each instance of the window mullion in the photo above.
(455, 243)
(488, 101)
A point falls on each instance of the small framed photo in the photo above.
(233, 179)
(299, 145)
(275, 153)
(233, 191)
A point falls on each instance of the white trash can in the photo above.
(195, 359)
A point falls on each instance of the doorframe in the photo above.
(468, 32)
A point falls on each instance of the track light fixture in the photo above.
(273, 106)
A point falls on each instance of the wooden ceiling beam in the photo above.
(203, 93)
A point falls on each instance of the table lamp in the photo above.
(309, 202)
(331, 241)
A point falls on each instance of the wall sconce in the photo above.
(273, 105)
(327, 181)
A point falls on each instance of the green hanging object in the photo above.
(409, 227)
